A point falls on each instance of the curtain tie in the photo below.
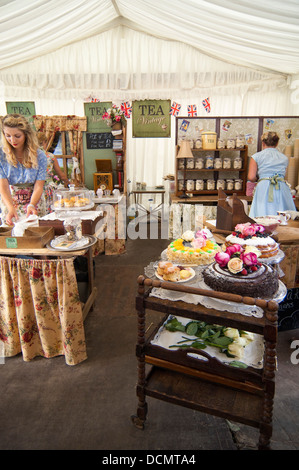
(274, 183)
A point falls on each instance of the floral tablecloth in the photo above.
(40, 310)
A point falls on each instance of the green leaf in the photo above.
(174, 325)
(239, 364)
(191, 328)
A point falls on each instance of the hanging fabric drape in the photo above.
(74, 126)
(40, 309)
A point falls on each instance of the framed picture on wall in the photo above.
(94, 113)
(151, 118)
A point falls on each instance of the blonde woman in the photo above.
(268, 168)
(23, 168)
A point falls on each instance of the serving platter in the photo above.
(61, 243)
(193, 273)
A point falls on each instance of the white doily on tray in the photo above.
(253, 352)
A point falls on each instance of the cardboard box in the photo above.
(34, 237)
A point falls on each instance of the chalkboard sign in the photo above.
(288, 311)
(99, 140)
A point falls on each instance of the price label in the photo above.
(11, 243)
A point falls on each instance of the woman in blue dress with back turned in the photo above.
(268, 168)
(23, 169)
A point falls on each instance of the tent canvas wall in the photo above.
(243, 56)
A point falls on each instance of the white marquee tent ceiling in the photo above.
(138, 49)
(260, 34)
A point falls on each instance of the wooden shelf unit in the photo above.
(208, 385)
(193, 174)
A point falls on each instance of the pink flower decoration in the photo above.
(240, 227)
(230, 250)
(259, 228)
(199, 242)
(199, 234)
(249, 259)
(249, 231)
(222, 259)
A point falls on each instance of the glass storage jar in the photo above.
(231, 143)
(181, 163)
(180, 185)
(221, 144)
(190, 185)
(238, 184)
(220, 184)
(209, 162)
(72, 225)
(229, 185)
(217, 163)
(198, 144)
(240, 141)
(227, 163)
(199, 186)
(210, 184)
(190, 163)
(237, 163)
(199, 163)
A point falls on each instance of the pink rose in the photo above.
(240, 227)
(230, 250)
(199, 242)
(259, 228)
(222, 259)
(249, 231)
(249, 259)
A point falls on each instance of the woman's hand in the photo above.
(31, 210)
(12, 213)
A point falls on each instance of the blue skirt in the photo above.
(282, 199)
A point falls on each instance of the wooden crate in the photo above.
(34, 237)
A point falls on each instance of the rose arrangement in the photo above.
(237, 260)
(249, 230)
(229, 341)
(112, 115)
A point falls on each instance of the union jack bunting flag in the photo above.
(175, 109)
(126, 108)
(192, 110)
(206, 104)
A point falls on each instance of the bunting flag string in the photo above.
(206, 105)
(192, 110)
(126, 108)
(175, 109)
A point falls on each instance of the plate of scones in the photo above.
(167, 271)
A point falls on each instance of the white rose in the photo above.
(241, 341)
(247, 335)
(231, 333)
(236, 350)
(188, 236)
(252, 249)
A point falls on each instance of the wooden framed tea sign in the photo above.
(151, 118)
